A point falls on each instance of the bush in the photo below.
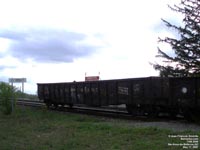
(7, 98)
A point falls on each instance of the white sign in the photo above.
(17, 80)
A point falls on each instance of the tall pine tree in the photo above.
(186, 58)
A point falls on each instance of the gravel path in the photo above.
(171, 125)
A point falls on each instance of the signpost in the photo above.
(18, 80)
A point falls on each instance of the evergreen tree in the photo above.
(186, 58)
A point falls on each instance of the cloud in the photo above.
(6, 67)
(3, 79)
(47, 45)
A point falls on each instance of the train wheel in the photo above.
(55, 106)
(48, 105)
(153, 114)
(173, 115)
(134, 110)
(70, 105)
(129, 108)
(192, 115)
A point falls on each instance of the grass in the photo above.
(40, 129)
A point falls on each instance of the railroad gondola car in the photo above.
(142, 96)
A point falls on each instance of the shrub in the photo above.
(7, 98)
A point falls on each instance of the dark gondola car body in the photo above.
(145, 95)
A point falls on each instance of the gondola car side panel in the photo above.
(103, 93)
(112, 92)
(124, 91)
(183, 92)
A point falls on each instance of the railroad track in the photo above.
(32, 103)
(177, 124)
(113, 112)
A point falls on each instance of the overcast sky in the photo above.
(60, 40)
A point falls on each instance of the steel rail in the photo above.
(93, 111)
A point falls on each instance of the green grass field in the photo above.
(40, 129)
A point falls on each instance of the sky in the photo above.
(61, 40)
